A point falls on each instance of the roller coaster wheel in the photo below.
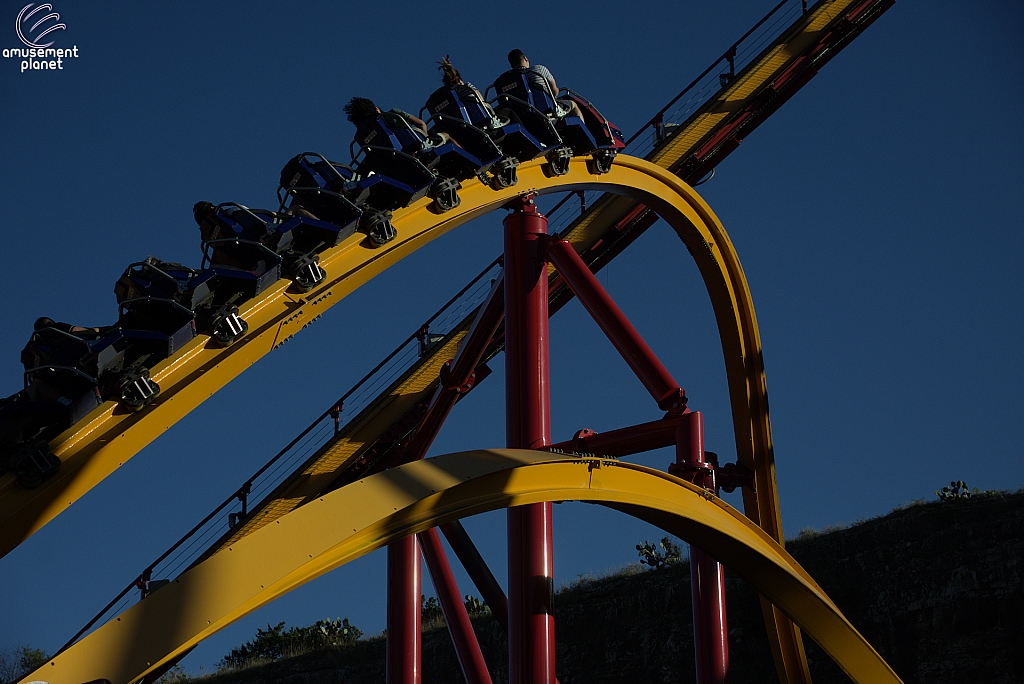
(558, 162)
(307, 273)
(504, 173)
(137, 390)
(601, 161)
(378, 227)
(227, 326)
(33, 462)
(445, 192)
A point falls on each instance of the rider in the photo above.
(453, 81)
(47, 322)
(362, 111)
(540, 77)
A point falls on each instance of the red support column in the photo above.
(467, 648)
(531, 632)
(707, 576)
(404, 641)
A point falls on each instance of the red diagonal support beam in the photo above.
(471, 659)
(481, 575)
(609, 317)
(457, 376)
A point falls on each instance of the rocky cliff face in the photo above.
(936, 588)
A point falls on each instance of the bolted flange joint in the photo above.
(674, 401)
(579, 440)
(691, 472)
(452, 384)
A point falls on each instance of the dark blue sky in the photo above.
(877, 216)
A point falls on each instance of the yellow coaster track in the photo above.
(708, 243)
(108, 437)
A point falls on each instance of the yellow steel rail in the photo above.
(370, 513)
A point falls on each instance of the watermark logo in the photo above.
(39, 21)
(34, 25)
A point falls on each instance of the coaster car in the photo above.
(115, 360)
(458, 112)
(297, 236)
(385, 182)
(516, 142)
(592, 134)
(535, 109)
(68, 374)
(450, 162)
(240, 270)
(596, 136)
(53, 400)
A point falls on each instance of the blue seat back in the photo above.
(252, 224)
(310, 170)
(381, 133)
(460, 102)
(516, 83)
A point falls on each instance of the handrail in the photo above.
(729, 55)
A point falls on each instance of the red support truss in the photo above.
(528, 610)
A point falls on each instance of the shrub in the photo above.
(17, 663)
(650, 555)
(431, 614)
(176, 675)
(475, 607)
(958, 490)
(274, 643)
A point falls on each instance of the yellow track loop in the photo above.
(372, 512)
